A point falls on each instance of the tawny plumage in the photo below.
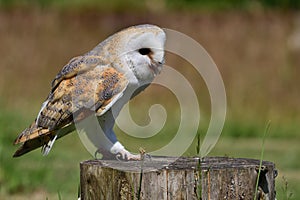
(104, 78)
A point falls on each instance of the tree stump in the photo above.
(183, 178)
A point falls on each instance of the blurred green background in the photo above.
(255, 44)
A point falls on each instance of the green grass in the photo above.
(49, 175)
(261, 156)
(58, 173)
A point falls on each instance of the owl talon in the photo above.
(125, 155)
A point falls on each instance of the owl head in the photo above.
(137, 51)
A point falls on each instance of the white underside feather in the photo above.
(47, 147)
(42, 108)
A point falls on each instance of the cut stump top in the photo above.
(177, 163)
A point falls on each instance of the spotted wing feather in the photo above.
(77, 65)
(72, 99)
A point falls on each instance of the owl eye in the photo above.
(145, 51)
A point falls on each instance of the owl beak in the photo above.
(156, 66)
(162, 62)
(157, 60)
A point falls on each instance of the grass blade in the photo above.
(261, 156)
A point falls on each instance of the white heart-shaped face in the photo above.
(144, 52)
(137, 51)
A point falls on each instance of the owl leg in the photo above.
(114, 149)
(122, 154)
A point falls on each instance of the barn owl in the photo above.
(98, 83)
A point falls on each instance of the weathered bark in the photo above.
(184, 178)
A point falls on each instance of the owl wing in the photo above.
(78, 91)
(77, 65)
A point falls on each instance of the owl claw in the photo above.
(125, 155)
(122, 154)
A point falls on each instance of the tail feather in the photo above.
(32, 144)
(32, 137)
(30, 133)
(35, 137)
